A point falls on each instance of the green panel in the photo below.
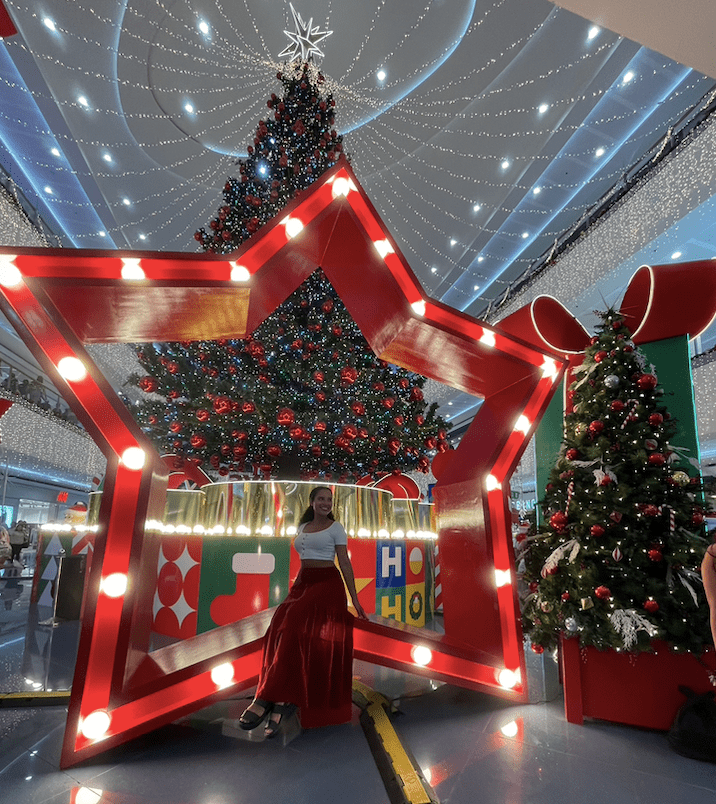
(548, 440)
(673, 368)
(218, 578)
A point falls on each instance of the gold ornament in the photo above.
(681, 478)
(587, 603)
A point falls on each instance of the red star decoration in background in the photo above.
(60, 299)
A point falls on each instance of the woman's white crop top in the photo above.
(321, 545)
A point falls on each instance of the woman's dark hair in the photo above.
(309, 513)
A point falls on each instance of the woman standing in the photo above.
(308, 649)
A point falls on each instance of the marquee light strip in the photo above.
(119, 691)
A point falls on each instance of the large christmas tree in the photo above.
(292, 148)
(304, 396)
(616, 559)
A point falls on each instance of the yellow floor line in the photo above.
(39, 698)
(415, 789)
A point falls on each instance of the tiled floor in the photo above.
(473, 748)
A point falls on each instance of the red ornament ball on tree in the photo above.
(617, 405)
(599, 356)
(597, 531)
(603, 592)
(647, 382)
(655, 554)
(655, 419)
(571, 454)
(651, 606)
(285, 416)
(558, 520)
(596, 426)
(148, 384)
(657, 459)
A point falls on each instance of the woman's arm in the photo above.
(347, 571)
(708, 575)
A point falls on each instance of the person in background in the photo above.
(307, 658)
(708, 576)
(19, 538)
(5, 548)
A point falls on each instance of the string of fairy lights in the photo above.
(427, 142)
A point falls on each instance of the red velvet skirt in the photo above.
(308, 649)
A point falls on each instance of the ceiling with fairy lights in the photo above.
(481, 129)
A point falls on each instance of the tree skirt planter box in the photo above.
(637, 689)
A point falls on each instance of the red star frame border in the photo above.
(60, 299)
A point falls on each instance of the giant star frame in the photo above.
(60, 299)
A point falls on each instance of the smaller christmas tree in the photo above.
(616, 559)
(292, 148)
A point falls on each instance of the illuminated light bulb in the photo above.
(291, 530)
(293, 227)
(341, 186)
(492, 483)
(72, 369)
(676, 255)
(480, 258)
(83, 101)
(523, 424)
(510, 729)
(383, 534)
(189, 108)
(133, 458)
(599, 152)
(419, 307)
(204, 27)
(266, 530)
(505, 164)
(508, 678)
(487, 337)
(198, 529)
(89, 795)
(549, 368)
(10, 276)
(543, 108)
(223, 675)
(398, 534)
(593, 31)
(628, 76)
(381, 75)
(428, 774)
(49, 24)
(132, 269)
(239, 273)
(95, 725)
(383, 247)
(502, 578)
(114, 585)
(422, 656)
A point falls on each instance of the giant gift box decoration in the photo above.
(663, 305)
(59, 299)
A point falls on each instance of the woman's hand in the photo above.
(360, 611)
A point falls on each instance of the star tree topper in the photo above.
(304, 38)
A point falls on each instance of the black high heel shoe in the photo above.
(284, 711)
(250, 720)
